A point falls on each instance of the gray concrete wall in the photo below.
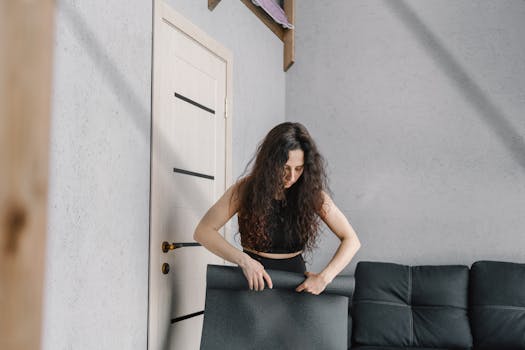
(418, 107)
(97, 254)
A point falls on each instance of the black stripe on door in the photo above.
(189, 100)
(187, 172)
(182, 318)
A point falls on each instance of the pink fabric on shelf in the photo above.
(275, 11)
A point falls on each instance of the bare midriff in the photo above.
(274, 255)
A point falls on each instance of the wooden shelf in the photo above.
(286, 35)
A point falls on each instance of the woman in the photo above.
(279, 205)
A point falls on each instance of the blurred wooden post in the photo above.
(26, 29)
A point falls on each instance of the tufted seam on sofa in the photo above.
(372, 301)
(502, 307)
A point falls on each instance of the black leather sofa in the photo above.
(438, 307)
(386, 307)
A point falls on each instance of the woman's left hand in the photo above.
(314, 283)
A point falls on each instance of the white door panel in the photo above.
(182, 223)
(198, 137)
(190, 275)
(191, 192)
(201, 86)
(182, 335)
(191, 169)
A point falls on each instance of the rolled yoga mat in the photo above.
(279, 318)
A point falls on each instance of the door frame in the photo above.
(162, 11)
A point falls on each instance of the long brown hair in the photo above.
(303, 200)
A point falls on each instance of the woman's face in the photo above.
(293, 167)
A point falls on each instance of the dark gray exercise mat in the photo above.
(279, 318)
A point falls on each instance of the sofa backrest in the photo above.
(497, 305)
(411, 306)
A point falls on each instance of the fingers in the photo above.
(260, 280)
(253, 271)
(257, 276)
(256, 282)
(303, 285)
(256, 279)
(305, 288)
(313, 284)
(268, 279)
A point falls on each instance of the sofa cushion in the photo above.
(410, 306)
(497, 310)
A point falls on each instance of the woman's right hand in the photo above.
(255, 274)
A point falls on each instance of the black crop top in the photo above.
(283, 239)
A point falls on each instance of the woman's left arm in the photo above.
(315, 283)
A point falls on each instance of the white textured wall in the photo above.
(97, 254)
(418, 107)
(97, 262)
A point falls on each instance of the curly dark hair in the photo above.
(304, 199)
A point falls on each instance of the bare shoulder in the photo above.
(328, 203)
(326, 197)
(225, 207)
(231, 196)
(234, 193)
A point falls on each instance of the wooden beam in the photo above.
(212, 4)
(289, 35)
(265, 18)
(26, 29)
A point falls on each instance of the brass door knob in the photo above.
(166, 246)
(165, 268)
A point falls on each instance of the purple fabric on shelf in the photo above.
(275, 11)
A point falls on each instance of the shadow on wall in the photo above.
(465, 84)
(139, 114)
(107, 68)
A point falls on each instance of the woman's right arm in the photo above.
(207, 234)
